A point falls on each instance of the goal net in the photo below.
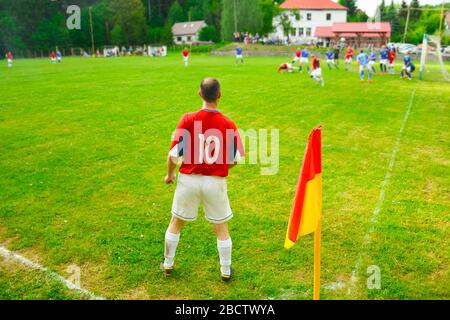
(434, 64)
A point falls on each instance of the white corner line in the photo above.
(9, 255)
(381, 197)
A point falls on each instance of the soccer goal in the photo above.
(432, 64)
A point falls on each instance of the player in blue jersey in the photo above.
(304, 60)
(239, 55)
(330, 59)
(384, 56)
(373, 60)
(363, 60)
(58, 56)
(408, 67)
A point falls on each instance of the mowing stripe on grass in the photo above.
(379, 204)
(7, 254)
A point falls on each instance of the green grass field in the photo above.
(82, 160)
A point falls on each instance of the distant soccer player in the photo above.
(373, 60)
(363, 60)
(330, 59)
(384, 55)
(349, 58)
(58, 56)
(210, 145)
(186, 57)
(9, 58)
(408, 67)
(304, 60)
(391, 59)
(53, 56)
(239, 55)
(287, 67)
(316, 73)
(297, 56)
(336, 57)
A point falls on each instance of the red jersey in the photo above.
(391, 56)
(298, 53)
(53, 54)
(315, 63)
(208, 142)
(349, 53)
(9, 56)
(185, 53)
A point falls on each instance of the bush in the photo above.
(208, 33)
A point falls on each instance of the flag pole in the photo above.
(316, 293)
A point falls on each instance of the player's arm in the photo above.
(171, 169)
(238, 149)
(176, 150)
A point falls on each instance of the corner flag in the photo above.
(307, 208)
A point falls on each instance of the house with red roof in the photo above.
(325, 21)
(305, 16)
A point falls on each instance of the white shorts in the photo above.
(330, 61)
(384, 61)
(210, 191)
(371, 63)
(348, 60)
(316, 73)
(408, 69)
(296, 58)
(304, 60)
(239, 56)
(186, 59)
(9, 61)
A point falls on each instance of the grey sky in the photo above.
(370, 5)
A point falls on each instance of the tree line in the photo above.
(40, 25)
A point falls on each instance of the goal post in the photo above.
(432, 51)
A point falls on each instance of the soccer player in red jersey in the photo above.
(53, 56)
(186, 57)
(297, 56)
(316, 73)
(9, 57)
(285, 67)
(391, 59)
(349, 58)
(210, 145)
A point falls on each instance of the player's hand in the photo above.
(170, 178)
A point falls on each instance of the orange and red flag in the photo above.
(307, 208)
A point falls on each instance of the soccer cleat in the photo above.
(166, 270)
(226, 277)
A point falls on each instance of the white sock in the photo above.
(224, 248)
(171, 243)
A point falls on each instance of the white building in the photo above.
(187, 32)
(305, 16)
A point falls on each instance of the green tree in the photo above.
(249, 17)
(176, 13)
(52, 33)
(286, 24)
(117, 36)
(130, 17)
(10, 39)
(269, 11)
(351, 6)
(415, 14)
(403, 11)
(208, 33)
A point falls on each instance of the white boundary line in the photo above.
(379, 204)
(9, 255)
